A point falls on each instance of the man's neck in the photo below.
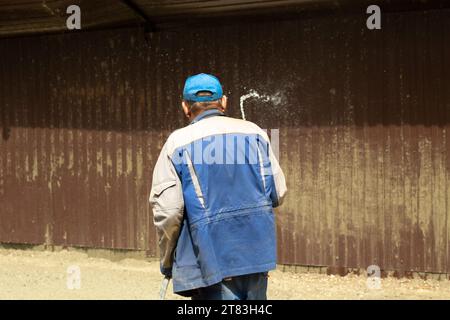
(206, 113)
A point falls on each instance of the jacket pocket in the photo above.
(166, 196)
(163, 186)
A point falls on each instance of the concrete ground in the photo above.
(31, 274)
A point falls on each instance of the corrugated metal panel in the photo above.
(79, 142)
(362, 118)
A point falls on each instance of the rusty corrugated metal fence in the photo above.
(362, 116)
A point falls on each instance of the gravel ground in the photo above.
(29, 274)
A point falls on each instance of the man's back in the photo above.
(213, 189)
(229, 180)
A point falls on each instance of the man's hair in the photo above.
(195, 106)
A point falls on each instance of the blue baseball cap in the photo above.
(202, 82)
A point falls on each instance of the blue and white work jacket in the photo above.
(214, 188)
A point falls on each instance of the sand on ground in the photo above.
(30, 274)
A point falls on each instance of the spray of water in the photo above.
(275, 99)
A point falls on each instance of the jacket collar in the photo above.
(207, 114)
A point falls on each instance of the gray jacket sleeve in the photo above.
(166, 199)
(280, 188)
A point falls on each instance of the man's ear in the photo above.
(224, 101)
(186, 111)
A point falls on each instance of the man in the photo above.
(214, 186)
